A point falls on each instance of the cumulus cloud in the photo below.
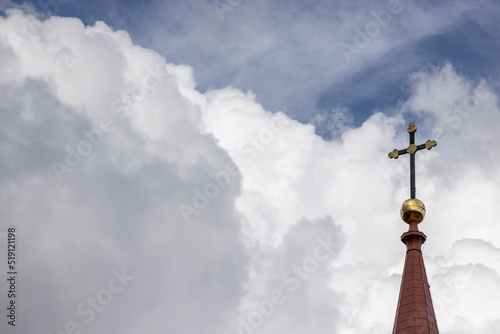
(218, 216)
(293, 173)
(291, 281)
(101, 144)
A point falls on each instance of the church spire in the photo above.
(415, 312)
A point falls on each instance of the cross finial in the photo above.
(412, 149)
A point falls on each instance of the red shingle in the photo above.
(415, 312)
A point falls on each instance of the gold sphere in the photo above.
(412, 208)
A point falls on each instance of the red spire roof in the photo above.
(415, 313)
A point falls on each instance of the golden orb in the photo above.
(412, 208)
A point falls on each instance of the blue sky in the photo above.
(289, 54)
(221, 167)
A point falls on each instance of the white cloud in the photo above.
(466, 287)
(291, 282)
(350, 178)
(117, 206)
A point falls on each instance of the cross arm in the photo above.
(412, 149)
(396, 153)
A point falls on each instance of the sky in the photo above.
(220, 167)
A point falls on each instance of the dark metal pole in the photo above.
(413, 189)
(412, 176)
(412, 150)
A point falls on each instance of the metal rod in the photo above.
(412, 150)
(413, 188)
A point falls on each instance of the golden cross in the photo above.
(412, 149)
